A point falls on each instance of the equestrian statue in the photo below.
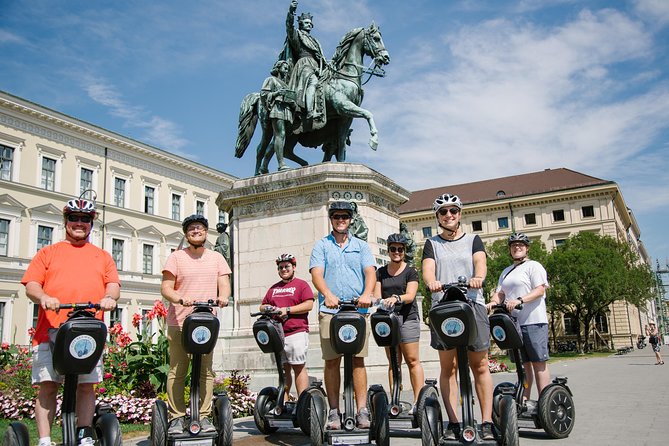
(310, 100)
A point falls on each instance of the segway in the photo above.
(78, 346)
(199, 335)
(386, 325)
(271, 411)
(452, 318)
(554, 412)
(348, 330)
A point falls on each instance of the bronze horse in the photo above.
(343, 94)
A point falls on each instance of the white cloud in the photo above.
(653, 10)
(526, 96)
(158, 131)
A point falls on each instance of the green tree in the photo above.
(590, 272)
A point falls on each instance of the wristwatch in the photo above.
(521, 300)
(287, 310)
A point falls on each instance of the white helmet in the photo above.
(446, 200)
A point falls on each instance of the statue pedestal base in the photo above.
(286, 212)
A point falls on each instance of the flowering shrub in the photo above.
(135, 374)
(142, 365)
(496, 366)
(236, 387)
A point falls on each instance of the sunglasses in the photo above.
(280, 267)
(396, 249)
(82, 218)
(453, 211)
(341, 217)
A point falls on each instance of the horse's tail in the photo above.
(248, 117)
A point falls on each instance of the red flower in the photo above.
(116, 329)
(160, 309)
(31, 331)
(136, 319)
(102, 389)
(108, 375)
(5, 345)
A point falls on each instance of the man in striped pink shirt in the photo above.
(189, 275)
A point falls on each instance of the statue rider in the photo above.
(308, 59)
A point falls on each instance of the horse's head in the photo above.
(374, 46)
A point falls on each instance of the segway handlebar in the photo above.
(502, 307)
(268, 311)
(86, 306)
(461, 283)
(209, 303)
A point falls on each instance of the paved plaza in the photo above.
(620, 400)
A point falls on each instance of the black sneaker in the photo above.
(487, 431)
(452, 431)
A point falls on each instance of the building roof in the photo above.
(548, 180)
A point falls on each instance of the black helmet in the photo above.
(519, 237)
(397, 238)
(286, 258)
(194, 218)
(221, 227)
(340, 206)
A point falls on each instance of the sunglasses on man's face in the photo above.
(396, 249)
(340, 217)
(280, 267)
(82, 218)
(453, 211)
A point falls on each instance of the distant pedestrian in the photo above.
(655, 341)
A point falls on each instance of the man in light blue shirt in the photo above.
(342, 268)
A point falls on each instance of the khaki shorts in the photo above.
(326, 347)
(295, 348)
(43, 368)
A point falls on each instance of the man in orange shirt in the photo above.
(71, 271)
(191, 274)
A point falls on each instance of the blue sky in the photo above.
(475, 89)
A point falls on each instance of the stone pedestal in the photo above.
(286, 212)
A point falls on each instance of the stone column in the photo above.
(286, 212)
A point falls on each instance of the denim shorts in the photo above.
(535, 343)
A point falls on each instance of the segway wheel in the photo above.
(509, 421)
(158, 424)
(317, 418)
(497, 395)
(223, 420)
(432, 424)
(380, 416)
(108, 430)
(425, 393)
(556, 411)
(303, 409)
(16, 435)
(265, 402)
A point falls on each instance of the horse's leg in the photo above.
(264, 151)
(348, 108)
(289, 151)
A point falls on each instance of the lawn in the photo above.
(128, 430)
